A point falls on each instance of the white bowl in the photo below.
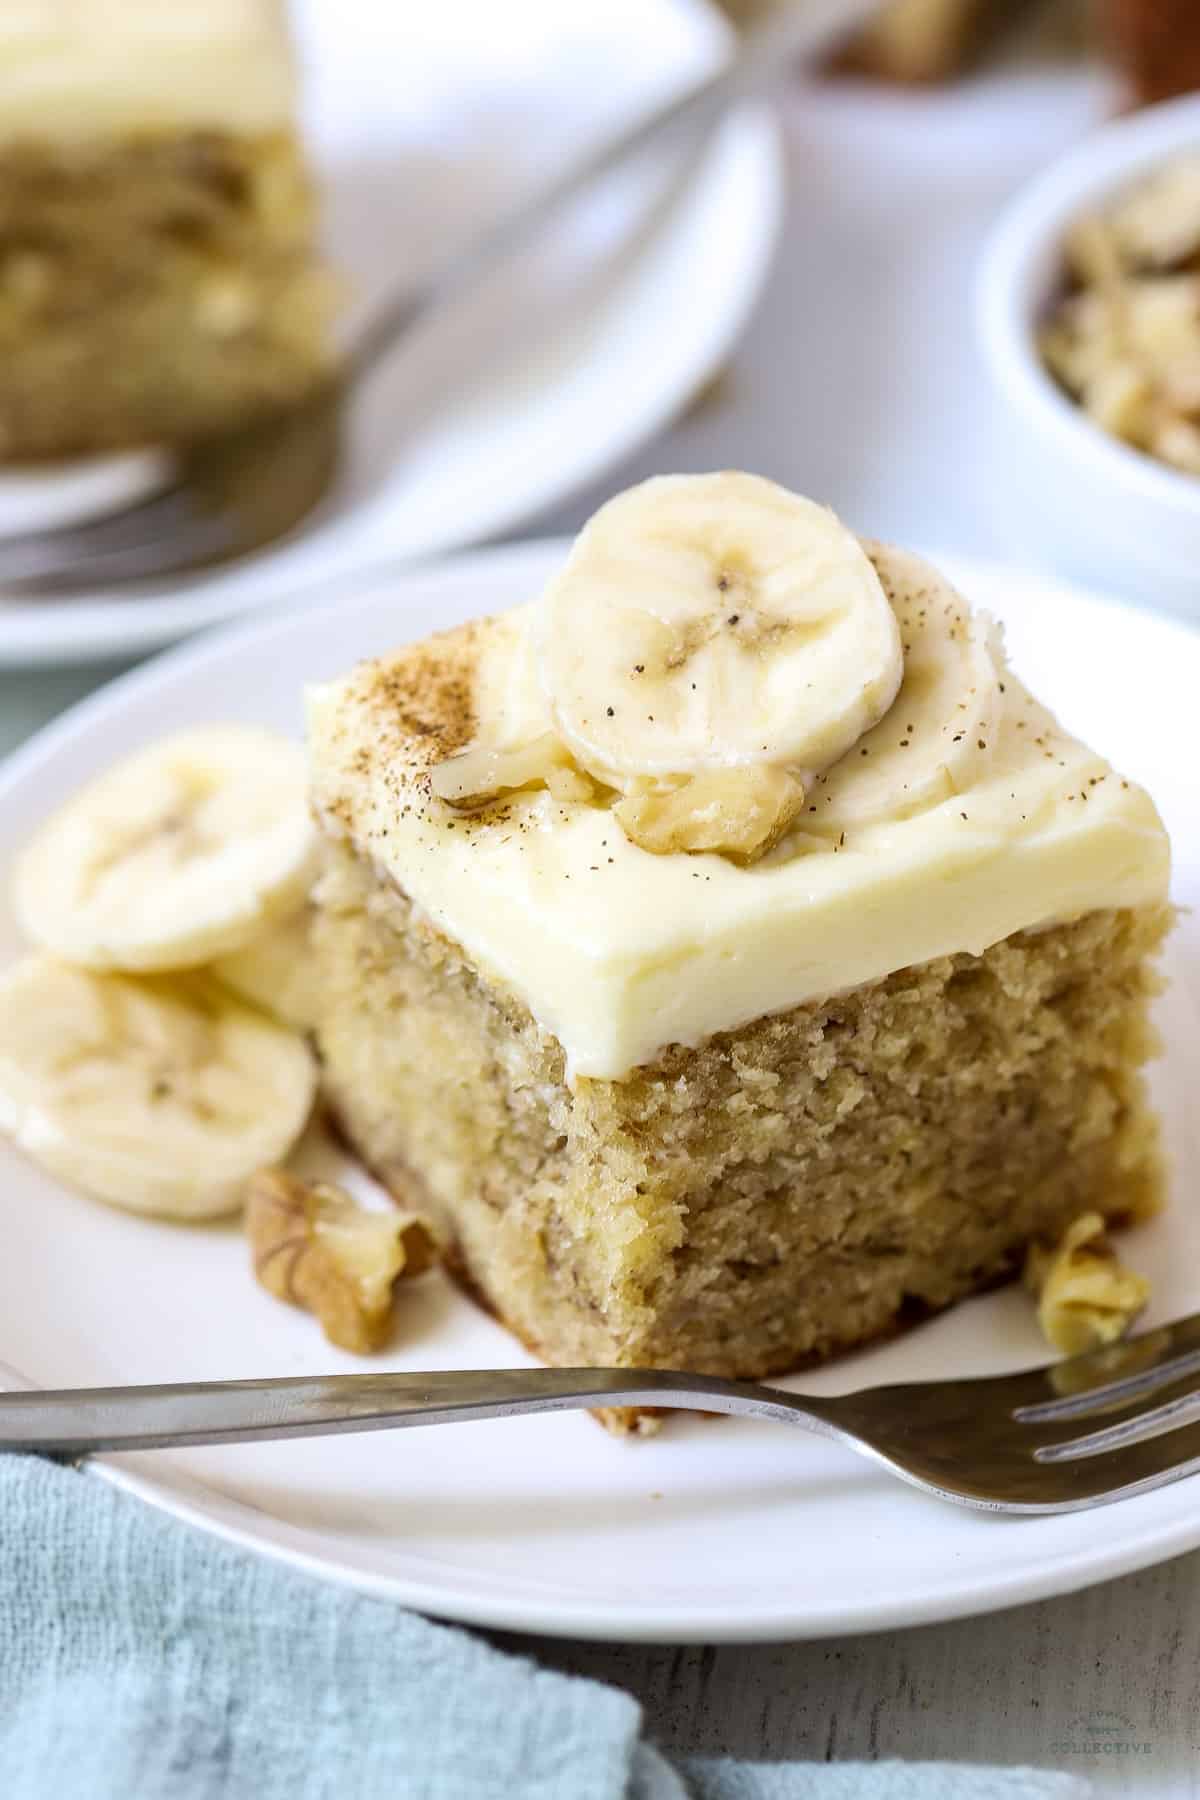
(1095, 508)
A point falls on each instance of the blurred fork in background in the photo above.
(231, 495)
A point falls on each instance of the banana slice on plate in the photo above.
(158, 1094)
(276, 971)
(714, 621)
(183, 852)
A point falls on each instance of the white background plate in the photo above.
(716, 1530)
(423, 122)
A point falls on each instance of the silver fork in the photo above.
(1097, 1427)
(230, 495)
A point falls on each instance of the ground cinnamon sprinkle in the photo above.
(423, 706)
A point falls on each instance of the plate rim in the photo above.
(752, 137)
(213, 1509)
(531, 1616)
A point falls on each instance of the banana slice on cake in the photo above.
(183, 852)
(940, 735)
(709, 622)
(157, 1094)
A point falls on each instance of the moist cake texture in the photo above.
(158, 278)
(784, 1190)
(669, 1110)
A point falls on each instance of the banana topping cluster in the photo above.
(572, 855)
(724, 665)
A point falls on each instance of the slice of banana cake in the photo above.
(159, 274)
(726, 946)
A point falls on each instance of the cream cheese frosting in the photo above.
(965, 815)
(73, 69)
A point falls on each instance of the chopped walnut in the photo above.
(740, 812)
(1124, 341)
(314, 1246)
(1086, 1297)
(473, 777)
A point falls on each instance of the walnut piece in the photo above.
(481, 773)
(315, 1247)
(740, 812)
(1086, 1297)
(1124, 339)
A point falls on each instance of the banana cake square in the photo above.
(725, 947)
(159, 278)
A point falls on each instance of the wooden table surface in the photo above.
(1104, 1683)
(857, 382)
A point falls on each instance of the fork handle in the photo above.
(79, 1421)
(761, 57)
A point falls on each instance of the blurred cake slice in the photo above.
(158, 278)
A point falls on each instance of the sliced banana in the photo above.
(158, 1094)
(276, 971)
(714, 621)
(181, 853)
(940, 735)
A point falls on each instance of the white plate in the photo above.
(423, 122)
(716, 1530)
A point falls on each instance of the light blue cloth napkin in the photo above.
(143, 1660)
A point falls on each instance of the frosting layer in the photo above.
(73, 69)
(917, 844)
